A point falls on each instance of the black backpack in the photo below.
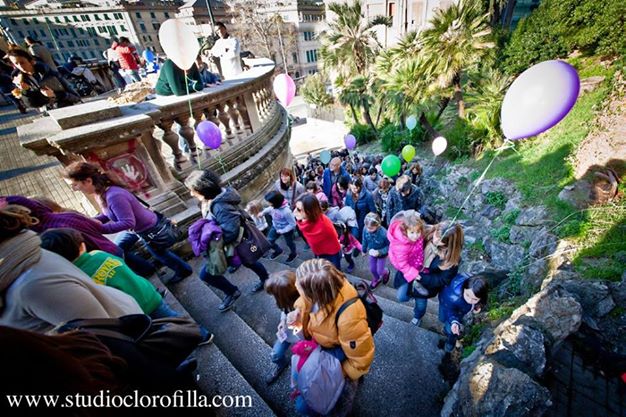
(372, 309)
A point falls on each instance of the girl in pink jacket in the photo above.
(406, 253)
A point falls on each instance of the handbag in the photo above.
(253, 243)
(163, 234)
(168, 339)
(216, 258)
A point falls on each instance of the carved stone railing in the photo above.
(140, 142)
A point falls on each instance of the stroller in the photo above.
(79, 83)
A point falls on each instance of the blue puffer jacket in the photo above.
(377, 240)
(327, 184)
(436, 279)
(452, 305)
(362, 206)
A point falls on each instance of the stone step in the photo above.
(386, 294)
(238, 342)
(405, 355)
(216, 375)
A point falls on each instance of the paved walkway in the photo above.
(24, 173)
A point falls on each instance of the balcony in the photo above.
(140, 142)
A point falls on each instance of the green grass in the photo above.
(501, 234)
(496, 199)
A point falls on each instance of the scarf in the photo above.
(17, 255)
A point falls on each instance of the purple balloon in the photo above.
(350, 141)
(209, 134)
(539, 99)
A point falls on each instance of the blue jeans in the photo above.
(163, 310)
(420, 303)
(222, 283)
(334, 259)
(274, 235)
(279, 352)
(163, 255)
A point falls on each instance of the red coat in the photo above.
(127, 56)
(321, 236)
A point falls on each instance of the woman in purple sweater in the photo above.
(123, 212)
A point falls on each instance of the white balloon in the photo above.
(439, 145)
(179, 43)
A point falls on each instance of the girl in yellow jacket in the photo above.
(323, 290)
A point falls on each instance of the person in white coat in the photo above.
(228, 50)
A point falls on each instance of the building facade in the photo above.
(86, 30)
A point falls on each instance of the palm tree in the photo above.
(459, 37)
(349, 48)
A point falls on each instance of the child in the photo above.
(456, 300)
(406, 253)
(254, 208)
(283, 224)
(313, 188)
(282, 286)
(349, 244)
(106, 269)
(376, 244)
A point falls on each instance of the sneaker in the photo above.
(350, 268)
(386, 276)
(275, 373)
(375, 283)
(179, 277)
(416, 322)
(276, 254)
(162, 292)
(229, 300)
(291, 257)
(258, 286)
(206, 340)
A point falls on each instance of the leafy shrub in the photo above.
(496, 199)
(460, 139)
(510, 217)
(363, 133)
(314, 91)
(502, 234)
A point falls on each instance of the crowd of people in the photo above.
(56, 265)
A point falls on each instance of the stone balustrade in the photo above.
(140, 142)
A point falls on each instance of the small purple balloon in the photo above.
(350, 141)
(209, 134)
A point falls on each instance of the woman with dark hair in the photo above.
(37, 84)
(462, 295)
(317, 229)
(40, 290)
(122, 211)
(289, 186)
(361, 202)
(222, 205)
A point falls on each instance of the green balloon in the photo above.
(408, 153)
(391, 165)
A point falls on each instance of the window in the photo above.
(150, 38)
(311, 56)
(81, 31)
(50, 45)
(138, 15)
(70, 44)
(102, 29)
(55, 33)
(96, 42)
(143, 27)
(35, 21)
(152, 15)
(106, 17)
(73, 32)
(43, 33)
(155, 26)
(60, 44)
(14, 22)
(167, 15)
(93, 54)
(123, 28)
(294, 56)
(75, 18)
(25, 21)
(66, 19)
(297, 74)
(309, 36)
(84, 54)
(391, 12)
(64, 31)
(86, 42)
(97, 17)
(19, 32)
(311, 72)
(57, 19)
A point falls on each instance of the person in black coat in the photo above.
(222, 206)
(37, 84)
(442, 255)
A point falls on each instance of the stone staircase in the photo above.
(404, 379)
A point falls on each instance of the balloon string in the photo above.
(197, 157)
(507, 145)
